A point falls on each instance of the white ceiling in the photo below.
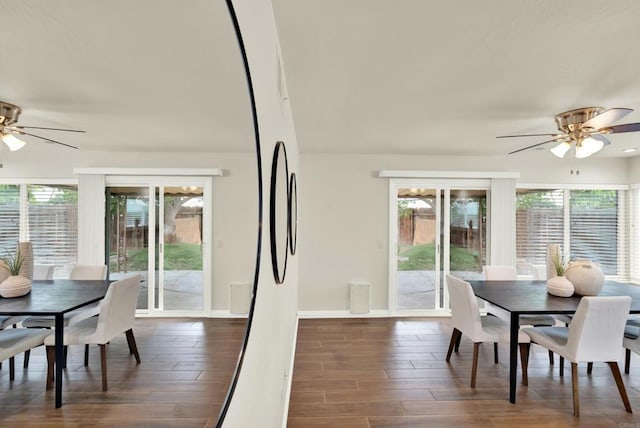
(364, 76)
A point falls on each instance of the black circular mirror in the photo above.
(279, 212)
(293, 213)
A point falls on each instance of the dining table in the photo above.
(56, 298)
(530, 297)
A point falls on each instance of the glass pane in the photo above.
(53, 226)
(9, 218)
(417, 239)
(539, 222)
(467, 234)
(128, 235)
(182, 255)
(594, 227)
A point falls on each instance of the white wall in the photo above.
(634, 170)
(344, 206)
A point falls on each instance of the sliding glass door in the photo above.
(157, 230)
(436, 229)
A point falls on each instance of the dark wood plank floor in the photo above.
(392, 373)
(182, 381)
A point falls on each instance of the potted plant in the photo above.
(559, 285)
(15, 285)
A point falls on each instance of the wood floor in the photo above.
(182, 381)
(392, 373)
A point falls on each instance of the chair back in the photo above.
(597, 328)
(539, 272)
(118, 308)
(43, 272)
(465, 313)
(88, 272)
(499, 272)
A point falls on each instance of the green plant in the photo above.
(560, 265)
(14, 262)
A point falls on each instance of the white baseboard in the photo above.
(342, 314)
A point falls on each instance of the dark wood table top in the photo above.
(531, 297)
(53, 297)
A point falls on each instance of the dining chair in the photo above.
(43, 272)
(631, 341)
(467, 321)
(508, 273)
(116, 316)
(16, 340)
(594, 335)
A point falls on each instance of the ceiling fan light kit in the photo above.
(584, 129)
(9, 115)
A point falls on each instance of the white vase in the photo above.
(587, 277)
(559, 286)
(553, 253)
(15, 286)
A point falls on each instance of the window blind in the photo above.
(9, 218)
(53, 224)
(539, 222)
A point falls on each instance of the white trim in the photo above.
(378, 313)
(37, 181)
(446, 174)
(150, 171)
(572, 186)
(392, 298)
(634, 186)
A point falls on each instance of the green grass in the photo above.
(422, 257)
(180, 256)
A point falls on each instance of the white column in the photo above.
(503, 221)
(91, 218)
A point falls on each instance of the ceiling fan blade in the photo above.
(536, 145)
(604, 119)
(602, 138)
(51, 129)
(626, 127)
(45, 139)
(529, 135)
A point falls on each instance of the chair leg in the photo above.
(12, 368)
(551, 358)
(86, 354)
(524, 359)
(457, 347)
(51, 358)
(27, 354)
(495, 352)
(615, 371)
(561, 366)
(574, 387)
(103, 363)
(589, 367)
(627, 360)
(133, 349)
(454, 339)
(474, 367)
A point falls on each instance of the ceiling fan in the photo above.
(583, 128)
(9, 115)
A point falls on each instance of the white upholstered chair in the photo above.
(43, 272)
(466, 320)
(594, 335)
(16, 340)
(116, 316)
(508, 273)
(78, 272)
(631, 340)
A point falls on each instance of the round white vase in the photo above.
(15, 286)
(560, 286)
(586, 276)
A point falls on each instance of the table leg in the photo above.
(59, 332)
(513, 356)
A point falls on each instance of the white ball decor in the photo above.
(560, 286)
(587, 277)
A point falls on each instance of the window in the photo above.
(45, 215)
(588, 224)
